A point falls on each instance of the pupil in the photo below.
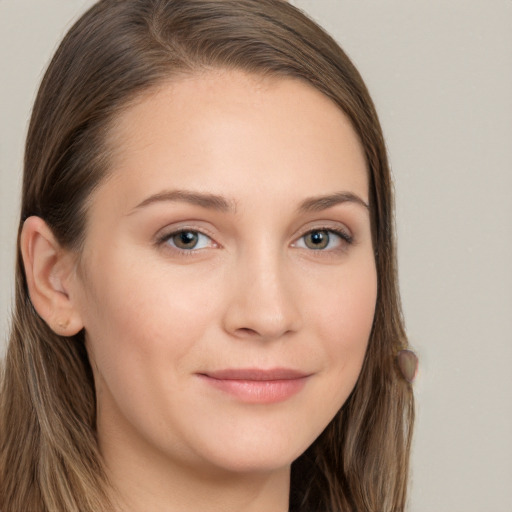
(317, 240)
(186, 239)
(317, 237)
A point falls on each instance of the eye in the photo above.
(188, 240)
(323, 239)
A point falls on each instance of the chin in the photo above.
(263, 454)
(252, 464)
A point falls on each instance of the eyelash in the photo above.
(345, 237)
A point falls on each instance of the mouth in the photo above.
(257, 386)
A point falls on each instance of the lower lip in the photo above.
(258, 391)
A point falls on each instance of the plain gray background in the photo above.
(440, 73)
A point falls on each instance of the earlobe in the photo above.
(49, 272)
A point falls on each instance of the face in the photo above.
(227, 284)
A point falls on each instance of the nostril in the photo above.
(246, 331)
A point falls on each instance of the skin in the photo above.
(251, 294)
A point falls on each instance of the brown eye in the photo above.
(185, 239)
(317, 240)
(324, 240)
(188, 240)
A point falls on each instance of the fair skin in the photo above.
(232, 234)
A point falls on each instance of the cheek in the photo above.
(141, 333)
(343, 317)
(138, 321)
(344, 305)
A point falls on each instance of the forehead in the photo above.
(228, 131)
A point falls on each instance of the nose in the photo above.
(262, 304)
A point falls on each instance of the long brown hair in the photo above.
(49, 460)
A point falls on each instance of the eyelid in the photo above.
(335, 227)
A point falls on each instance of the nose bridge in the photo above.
(263, 302)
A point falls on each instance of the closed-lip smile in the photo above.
(255, 385)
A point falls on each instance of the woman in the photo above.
(207, 315)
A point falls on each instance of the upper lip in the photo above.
(256, 374)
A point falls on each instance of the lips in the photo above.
(257, 386)
(257, 374)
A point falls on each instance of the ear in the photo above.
(50, 271)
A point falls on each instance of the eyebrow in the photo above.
(319, 203)
(220, 203)
(210, 201)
